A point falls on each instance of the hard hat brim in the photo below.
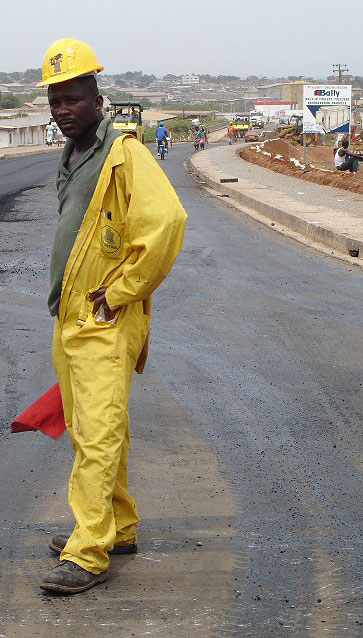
(64, 77)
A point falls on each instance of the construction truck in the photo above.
(256, 119)
(241, 125)
(126, 117)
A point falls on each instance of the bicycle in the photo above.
(162, 149)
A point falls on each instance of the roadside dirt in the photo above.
(277, 155)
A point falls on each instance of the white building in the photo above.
(190, 79)
(23, 131)
(270, 109)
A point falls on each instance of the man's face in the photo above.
(73, 107)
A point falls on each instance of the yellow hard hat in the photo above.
(67, 59)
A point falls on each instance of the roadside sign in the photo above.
(327, 108)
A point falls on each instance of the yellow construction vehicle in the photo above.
(241, 125)
(126, 117)
(294, 131)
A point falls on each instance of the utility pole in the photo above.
(340, 69)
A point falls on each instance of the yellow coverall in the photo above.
(130, 254)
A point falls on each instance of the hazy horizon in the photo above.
(169, 38)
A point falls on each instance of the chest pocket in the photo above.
(111, 238)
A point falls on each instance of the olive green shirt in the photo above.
(75, 189)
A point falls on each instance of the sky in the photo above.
(269, 38)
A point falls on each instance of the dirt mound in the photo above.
(282, 157)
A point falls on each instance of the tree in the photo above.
(137, 78)
(358, 81)
(33, 75)
(8, 101)
(119, 81)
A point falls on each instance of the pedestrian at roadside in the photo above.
(202, 138)
(49, 133)
(338, 140)
(59, 137)
(119, 231)
(231, 133)
(346, 161)
(196, 138)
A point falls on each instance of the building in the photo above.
(6, 135)
(23, 131)
(14, 87)
(190, 79)
(190, 113)
(157, 97)
(272, 108)
(283, 91)
(270, 91)
(152, 118)
(294, 92)
(41, 101)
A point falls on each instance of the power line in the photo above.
(340, 69)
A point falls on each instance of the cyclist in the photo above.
(161, 136)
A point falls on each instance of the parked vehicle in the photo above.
(254, 135)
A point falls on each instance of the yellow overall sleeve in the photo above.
(154, 225)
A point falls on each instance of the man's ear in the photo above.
(99, 102)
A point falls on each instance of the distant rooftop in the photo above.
(41, 100)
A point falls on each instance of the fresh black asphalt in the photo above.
(260, 341)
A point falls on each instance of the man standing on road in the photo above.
(120, 229)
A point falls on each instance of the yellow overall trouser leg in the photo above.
(94, 364)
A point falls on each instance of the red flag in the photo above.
(46, 415)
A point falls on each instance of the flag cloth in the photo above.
(46, 415)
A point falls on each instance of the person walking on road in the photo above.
(196, 139)
(49, 133)
(202, 138)
(120, 229)
(231, 133)
(346, 161)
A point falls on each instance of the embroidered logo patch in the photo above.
(110, 239)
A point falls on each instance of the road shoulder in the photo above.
(21, 151)
(330, 230)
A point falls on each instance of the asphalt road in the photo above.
(20, 173)
(246, 438)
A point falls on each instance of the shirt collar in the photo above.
(101, 133)
(103, 130)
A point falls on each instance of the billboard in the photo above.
(327, 108)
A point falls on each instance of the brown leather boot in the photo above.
(59, 542)
(69, 578)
